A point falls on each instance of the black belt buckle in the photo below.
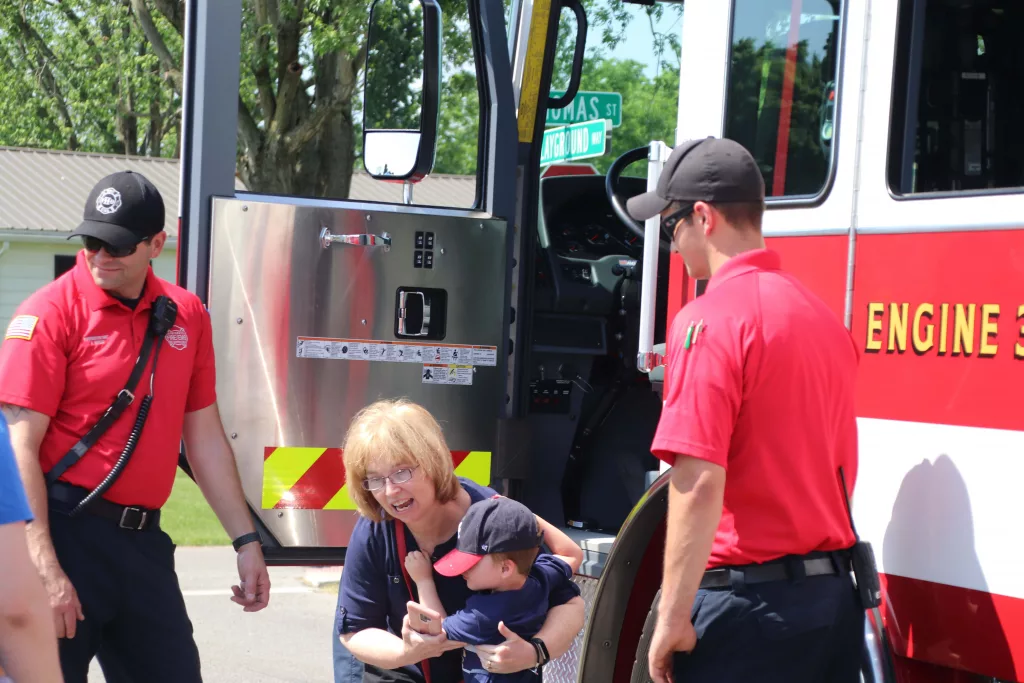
(137, 513)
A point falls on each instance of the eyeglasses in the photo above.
(93, 244)
(397, 477)
(668, 225)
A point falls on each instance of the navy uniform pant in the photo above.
(135, 616)
(804, 631)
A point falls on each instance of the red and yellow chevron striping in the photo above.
(300, 478)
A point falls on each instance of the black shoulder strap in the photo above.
(846, 500)
(124, 398)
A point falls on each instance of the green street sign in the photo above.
(587, 106)
(580, 141)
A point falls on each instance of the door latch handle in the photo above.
(413, 316)
(363, 240)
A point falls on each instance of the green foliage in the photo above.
(755, 98)
(394, 67)
(105, 76)
(82, 75)
(187, 517)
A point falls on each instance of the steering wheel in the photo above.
(611, 180)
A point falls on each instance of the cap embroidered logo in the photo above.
(177, 338)
(108, 201)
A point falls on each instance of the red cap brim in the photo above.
(456, 562)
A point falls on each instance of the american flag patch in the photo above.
(21, 327)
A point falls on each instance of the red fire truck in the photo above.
(531, 322)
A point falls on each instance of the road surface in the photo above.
(289, 641)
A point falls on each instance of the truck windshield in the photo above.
(630, 81)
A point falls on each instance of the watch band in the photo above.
(246, 538)
(543, 656)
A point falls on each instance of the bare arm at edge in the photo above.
(27, 429)
(28, 644)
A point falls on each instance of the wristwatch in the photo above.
(543, 657)
(250, 537)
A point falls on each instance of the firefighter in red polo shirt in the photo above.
(758, 419)
(102, 372)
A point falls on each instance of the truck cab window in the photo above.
(957, 103)
(781, 91)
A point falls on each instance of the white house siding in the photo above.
(27, 266)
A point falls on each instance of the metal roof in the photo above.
(43, 191)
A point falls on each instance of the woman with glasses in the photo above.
(409, 498)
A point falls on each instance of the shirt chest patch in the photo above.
(96, 339)
(177, 338)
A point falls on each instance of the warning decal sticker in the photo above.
(397, 352)
(447, 374)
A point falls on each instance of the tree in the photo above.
(76, 74)
(106, 75)
(82, 75)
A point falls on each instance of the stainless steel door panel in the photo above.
(273, 280)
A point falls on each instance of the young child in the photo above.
(498, 553)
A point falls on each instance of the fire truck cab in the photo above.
(532, 322)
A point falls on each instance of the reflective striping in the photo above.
(529, 97)
(297, 478)
(476, 466)
(282, 469)
(341, 500)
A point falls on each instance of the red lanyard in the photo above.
(400, 538)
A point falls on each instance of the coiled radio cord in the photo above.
(129, 446)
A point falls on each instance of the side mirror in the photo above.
(401, 89)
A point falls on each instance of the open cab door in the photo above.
(320, 307)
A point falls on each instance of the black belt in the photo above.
(126, 516)
(818, 564)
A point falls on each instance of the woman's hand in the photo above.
(515, 654)
(419, 646)
(419, 567)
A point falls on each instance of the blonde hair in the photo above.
(396, 432)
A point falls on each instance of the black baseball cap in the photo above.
(707, 170)
(122, 210)
(495, 525)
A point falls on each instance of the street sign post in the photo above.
(587, 106)
(579, 141)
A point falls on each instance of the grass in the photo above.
(187, 517)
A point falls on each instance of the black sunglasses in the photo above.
(668, 224)
(93, 244)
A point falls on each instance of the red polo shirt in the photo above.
(68, 352)
(765, 389)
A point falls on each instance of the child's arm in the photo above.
(469, 626)
(422, 572)
(561, 545)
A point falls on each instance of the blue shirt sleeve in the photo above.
(13, 501)
(363, 601)
(471, 625)
(557, 576)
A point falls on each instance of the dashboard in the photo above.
(585, 254)
(585, 227)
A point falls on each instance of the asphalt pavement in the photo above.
(289, 641)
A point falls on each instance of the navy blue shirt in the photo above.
(373, 593)
(13, 502)
(523, 611)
